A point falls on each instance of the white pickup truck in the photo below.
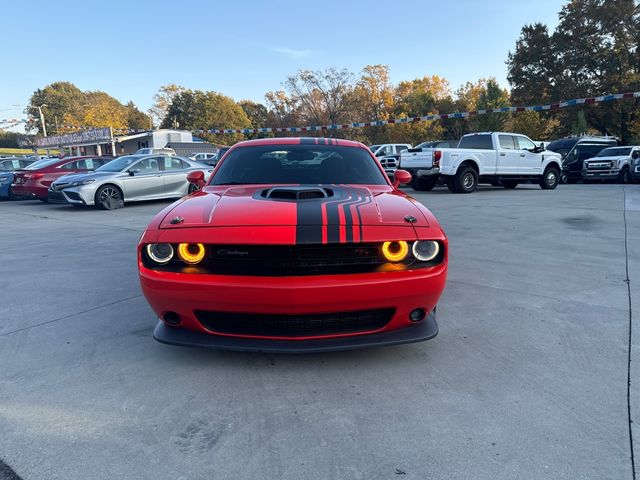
(499, 158)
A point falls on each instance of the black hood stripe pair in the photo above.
(318, 221)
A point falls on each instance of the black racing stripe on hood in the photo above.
(309, 218)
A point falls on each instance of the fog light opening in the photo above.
(171, 318)
(418, 315)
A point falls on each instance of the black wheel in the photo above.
(424, 184)
(509, 184)
(109, 197)
(625, 176)
(550, 178)
(465, 180)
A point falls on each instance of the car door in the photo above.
(508, 155)
(144, 180)
(175, 177)
(530, 162)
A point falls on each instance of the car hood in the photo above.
(607, 159)
(252, 206)
(75, 177)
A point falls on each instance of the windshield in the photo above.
(118, 164)
(298, 164)
(45, 162)
(615, 152)
(373, 148)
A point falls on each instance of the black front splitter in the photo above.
(420, 332)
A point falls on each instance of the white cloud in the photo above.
(291, 52)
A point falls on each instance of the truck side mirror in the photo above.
(635, 154)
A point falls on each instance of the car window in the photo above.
(506, 142)
(147, 166)
(24, 163)
(298, 164)
(69, 165)
(524, 143)
(615, 152)
(172, 163)
(479, 141)
(401, 148)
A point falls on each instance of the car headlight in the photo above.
(425, 250)
(82, 182)
(160, 253)
(395, 251)
(191, 253)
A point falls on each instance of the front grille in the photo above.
(285, 260)
(286, 325)
(389, 162)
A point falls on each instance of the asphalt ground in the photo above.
(527, 379)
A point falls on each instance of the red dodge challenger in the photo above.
(294, 245)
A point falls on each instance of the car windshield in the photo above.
(298, 164)
(373, 148)
(45, 162)
(118, 164)
(615, 152)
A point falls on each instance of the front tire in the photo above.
(424, 184)
(465, 180)
(625, 176)
(109, 197)
(550, 178)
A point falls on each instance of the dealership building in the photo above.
(101, 141)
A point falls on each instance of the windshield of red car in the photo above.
(298, 164)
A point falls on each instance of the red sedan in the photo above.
(294, 245)
(35, 182)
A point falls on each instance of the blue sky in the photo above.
(244, 49)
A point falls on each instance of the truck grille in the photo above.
(303, 325)
(389, 162)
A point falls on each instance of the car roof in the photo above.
(299, 141)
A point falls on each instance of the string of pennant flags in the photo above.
(374, 123)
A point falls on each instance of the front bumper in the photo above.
(601, 174)
(425, 330)
(402, 291)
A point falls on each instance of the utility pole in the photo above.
(44, 128)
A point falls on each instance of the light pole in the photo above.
(44, 128)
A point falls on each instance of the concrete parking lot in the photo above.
(527, 378)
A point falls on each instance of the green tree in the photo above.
(205, 110)
(62, 99)
(491, 96)
(162, 100)
(136, 119)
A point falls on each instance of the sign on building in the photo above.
(84, 137)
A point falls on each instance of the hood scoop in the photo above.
(296, 193)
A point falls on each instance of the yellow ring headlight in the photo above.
(395, 251)
(191, 253)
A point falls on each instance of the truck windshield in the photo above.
(615, 152)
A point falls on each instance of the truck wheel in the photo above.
(625, 176)
(509, 184)
(424, 184)
(550, 178)
(465, 180)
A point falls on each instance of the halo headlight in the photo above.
(425, 250)
(160, 253)
(395, 251)
(191, 253)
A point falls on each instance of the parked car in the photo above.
(127, 179)
(155, 151)
(8, 166)
(389, 154)
(498, 158)
(612, 163)
(575, 150)
(419, 158)
(203, 157)
(34, 180)
(330, 253)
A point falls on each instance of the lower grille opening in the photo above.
(303, 325)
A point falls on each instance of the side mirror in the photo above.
(635, 154)
(133, 172)
(196, 178)
(401, 177)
